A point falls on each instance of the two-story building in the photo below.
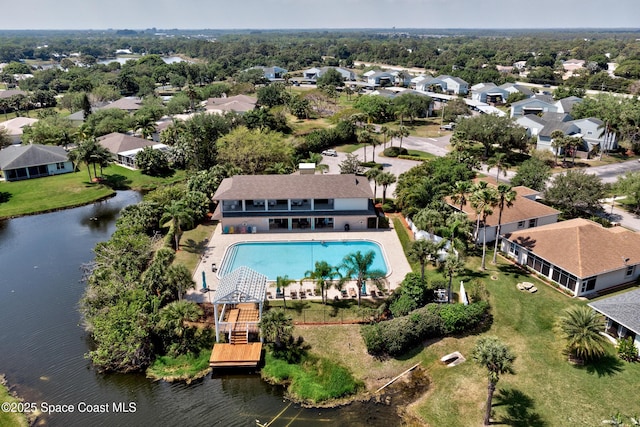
(260, 203)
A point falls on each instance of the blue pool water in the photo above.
(293, 259)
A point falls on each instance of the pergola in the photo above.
(242, 285)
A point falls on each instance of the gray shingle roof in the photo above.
(24, 156)
(623, 309)
(250, 187)
(568, 128)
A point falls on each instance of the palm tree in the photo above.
(506, 197)
(557, 142)
(384, 130)
(88, 152)
(145, 125)
(401, 133)
(276, 327)
(475, 190)
(358, 265)
(460, 191)
(428, 219)
(458, 224)
(499, 161)
(321, 275)
(372, 175)
(171, 322)
(178, 213)
(178, 279)
(385, 179)
(424, 251)
(281, 283)
(580, 326)
(484, 201)
(451, 265)
(494, 355)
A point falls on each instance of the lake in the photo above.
(42, 343)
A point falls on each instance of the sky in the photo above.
(297, 14)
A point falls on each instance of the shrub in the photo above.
(397, 336)
(395, 151)
(403, 305)
(627, 350)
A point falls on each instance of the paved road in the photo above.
(610, 173)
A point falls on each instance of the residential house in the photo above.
(15, 126)
(273, 74)
(313, 74)
(545, 141)
(532, 123)
(401, 78)
(6, 94)
(622, 313)
(259, 203)
(565, 105)
(580, 256)
(130, 105)
(19, 162)
(531, 106)
(445, 83)
(124, 148)
(592, 131)
(238, 104)
(524, 213)
(516, 88)
(380, 78)
(489, 93)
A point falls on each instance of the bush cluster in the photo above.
(397, 336)
(395, 152)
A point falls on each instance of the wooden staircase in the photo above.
(239, 337)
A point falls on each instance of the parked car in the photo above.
(332, 153)
(449, 126)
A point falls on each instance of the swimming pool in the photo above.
(293, 259)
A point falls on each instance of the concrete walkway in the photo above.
(218, 244)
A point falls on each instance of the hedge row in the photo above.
(397, 336)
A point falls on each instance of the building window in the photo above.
(60, 166)
(588, 284)
(630, 270)
(520, 224)
(533, 222)
(565, 279)
(514, 249)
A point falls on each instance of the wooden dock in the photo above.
(236, 355)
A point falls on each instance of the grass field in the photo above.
(8, 418)
(192, 245)
(545, 390)
(72, 189)
(182, 368)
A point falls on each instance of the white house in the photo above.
(531, 106)
(532, 123)
(579, 255)
(259, 203)
(15, 126)
(524, 213)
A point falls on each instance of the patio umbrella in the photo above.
(204, 281)
(363, 290)
(463, 294)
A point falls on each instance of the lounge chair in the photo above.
(294, 295)
(352, 293)
(303, 295)
(269, 295)
(344, 293)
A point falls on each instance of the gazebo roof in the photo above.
(241, 285)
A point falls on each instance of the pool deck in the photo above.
(218, 243)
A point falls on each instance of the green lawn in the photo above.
(72, 189)
(545, 390)
(7, 418)
(192, 245)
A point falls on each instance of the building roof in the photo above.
(581, 247)
(534, 118)
(24, 156)
(14, 126)
(78, 116)
(119, 142)
(241, 285)
(559, 117)
(568, 103)
(241, 103)
(623, 309)
(4, 94)
(568, 128)
(127, 104)
(533, 101)
(522, 209)
(248, 187)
